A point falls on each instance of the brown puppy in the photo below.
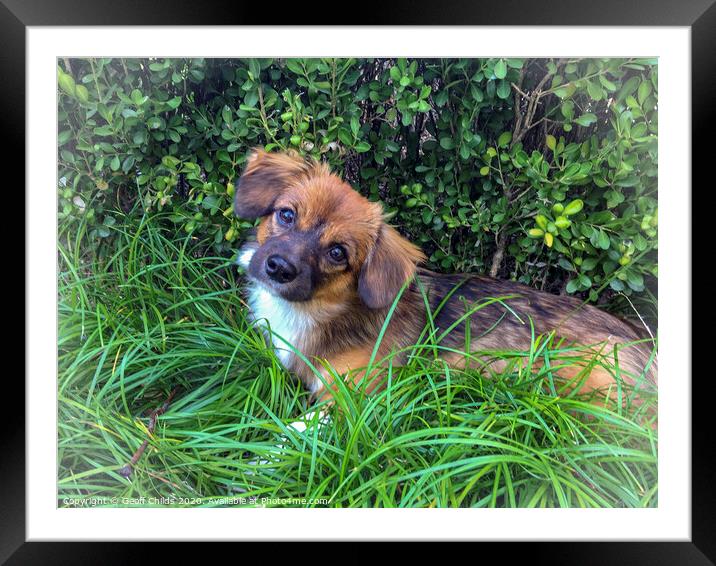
(325, 269)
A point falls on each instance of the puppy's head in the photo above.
(318, 238)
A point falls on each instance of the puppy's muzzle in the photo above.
(280, 269)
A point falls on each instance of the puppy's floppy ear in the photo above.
(390, 263)
(264, 179)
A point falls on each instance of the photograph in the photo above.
(357, 282)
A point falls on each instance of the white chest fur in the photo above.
(287, 324)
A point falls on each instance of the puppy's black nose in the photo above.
(280, 269)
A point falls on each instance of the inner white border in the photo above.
(670, 521)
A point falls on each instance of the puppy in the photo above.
(325, 270)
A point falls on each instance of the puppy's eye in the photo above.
(337, 254)
(286, 216)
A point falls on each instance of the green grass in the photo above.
(149, 311)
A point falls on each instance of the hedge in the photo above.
(539, 170)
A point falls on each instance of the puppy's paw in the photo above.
(314, 418)
(306, 424)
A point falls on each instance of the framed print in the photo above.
(372, 282)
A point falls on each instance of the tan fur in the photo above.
(351, 364)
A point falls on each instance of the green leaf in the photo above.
(255, 68)
(503, 89)
(477, 94)
(644, 91)
(137, 97)
(635, 280)
(606, 83)
(82, 93)
(104, 131)
(589, 264)
(441, 98)
(447, 143)
(138, 137)
(63, 137)
(209, 202)
(565, 91)
(616, 284)
(628, 88)
(535, 232)
(127, 164)
(66, 83)
(586, 119)
(504, 139)
(595, 91)
(500, 69)
(155, 123)
(251, 98)
(584, 281)
(345, 137)
(294, 65)
(562, 223)
(170, 162)
(573, 207)
(226, 115)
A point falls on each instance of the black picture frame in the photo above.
(699, 15)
